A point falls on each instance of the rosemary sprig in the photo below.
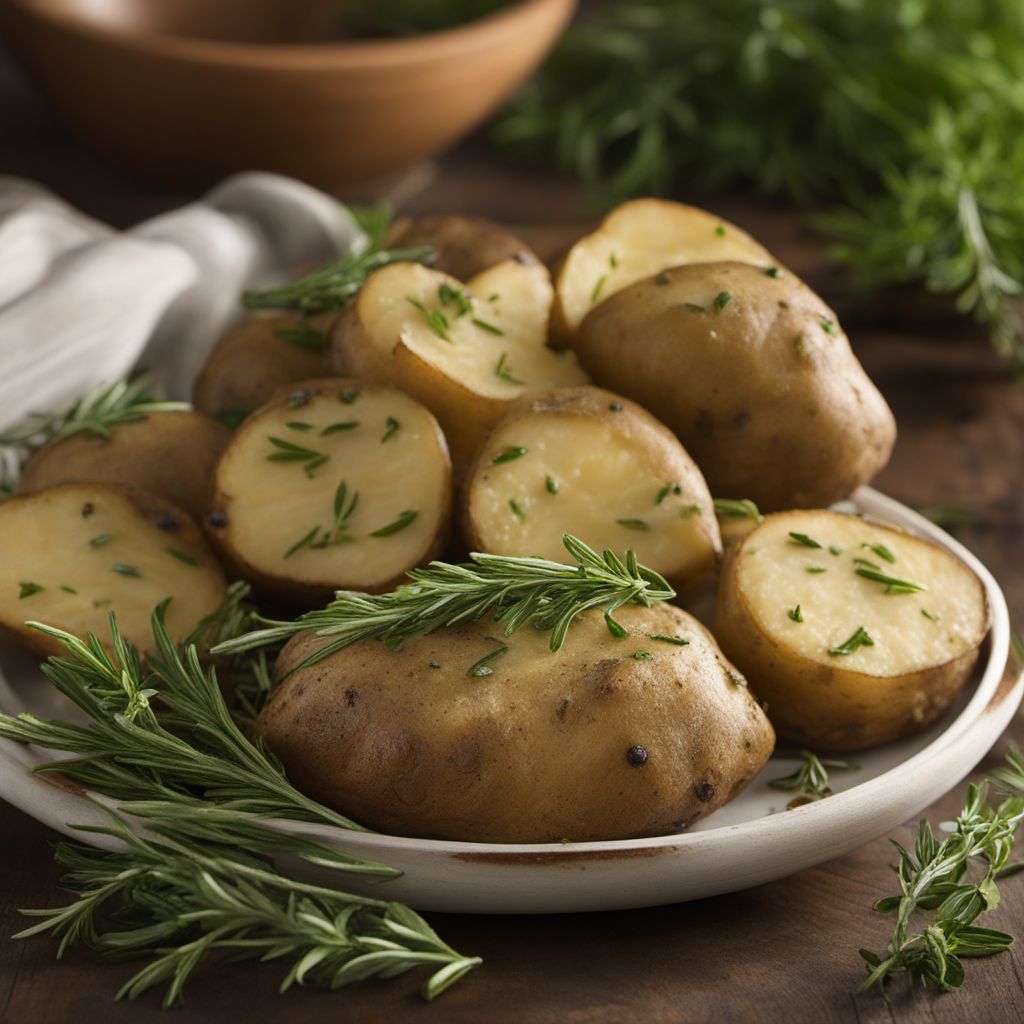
(514, 591)
(892, 584)
(810, 781)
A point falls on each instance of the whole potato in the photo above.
(172, 454)
(752, 372)
(606, 739)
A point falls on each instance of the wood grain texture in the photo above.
(781, 952)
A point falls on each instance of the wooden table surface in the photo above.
(782, 952)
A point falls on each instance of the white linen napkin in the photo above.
(82, 305)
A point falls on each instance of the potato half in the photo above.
(636, 240)
(845, 659)
(606, 739)
(593, 463)
(255, 358)
(464, 246)
(753, 374)
(74, 553)
(337, 485)
(168, 453)
(465, 351)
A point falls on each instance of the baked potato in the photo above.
(335, 485)
(464, 246)
(593, 462)
(464, 351)
(854, 633)
(456, 735)
(635, 241)
(753, 374)
(168, 453)
(251, 362)
(72, 554)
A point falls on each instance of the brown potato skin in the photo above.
(826, 707)
(172, 454)
(154, 508)
(534, 752)
(302, 593)
(250, 363)
(634, 422)
(465, 246)
(761, 420)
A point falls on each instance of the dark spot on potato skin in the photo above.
(599, 677)
(685, 822)
(168, 523)
(217, 519)
(563, 706)
(741, 419)
(704, 424)
(637, 756)
(298, 689)
(87, 509)
(663, 278)
(705, 791)
(350, 697)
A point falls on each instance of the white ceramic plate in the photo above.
(750, 841)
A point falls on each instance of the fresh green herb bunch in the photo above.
(908, 113)
(96, 412)
(936, 877)
(515, 591)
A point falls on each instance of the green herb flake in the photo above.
(448, 295)
(803, 349)
(804, 540)
(348, 396)
(633, 524)
(391, 426)
(692, 307)
(664, 638)
(729, 508)
(481, 667)
(666, 491)
(504, 371)
(859, 638)
(722, 299)
(338, 428)
(517, 509)
(616, 629)
(882, 551)
(126, 570)
(181, 556)
(436, 320)
(404, 520)
(828, 326)
(509, 454)
(28, 588)
(297, 399)
(929, 615)
(795, 614)
(772, 272)
(298, 425)
(490, 328)
(815, 568)
(302, 542)
(643, 656)
(551, 484)
(720, 231)
(598, 288)
(493, 297)
(67, 589)
(687, 511)
(835, 549)
(99, 541)
(893, 585)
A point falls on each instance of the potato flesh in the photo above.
(601, 477)
(774, 579)
(637, 240)
(275, 504)
(511, 297)
(47, 540)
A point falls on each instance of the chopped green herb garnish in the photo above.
(859, 638)
(722, 299)
(488, 327)
(692, 307)
(772, 272)
(447, 294)
(828, 326)
(893, 585)
(720, 231)
(504, 371)
(302, 542)
(298, 425)
(400, 523)
(613, 260)
(508, 455)
(642, 656)
(835, 549)
(436, 320)
(181, 556)
(126, 570)
(882, 551)
(729, 508)
(666, 491)
(67, 589)
(596, 293)
(481, 668)
(348, 396)
(391, 426)
(802, 538)
(517, 509)
(688, 510)
(337, 428)
(633, 524)
(677, 641)
(868, 564)
(929, 615)
(815, 568)
(288, 452)
(802, 348)
(297, 399)
(98, 542)
(615, 628)
(551, 484)
(795, 614)
(493, 297)
(28, 588)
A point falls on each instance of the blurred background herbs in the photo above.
(905, 115)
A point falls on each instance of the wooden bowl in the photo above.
(186, 91)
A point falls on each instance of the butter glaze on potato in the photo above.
(583, 744)
(925, 643)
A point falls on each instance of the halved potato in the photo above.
(74, 553)
(451, 736)
(638, 239)
(168, 453)
(464, 246)
(598, 465)
(822, 613)
(256, 357)
(337, 485)
(465, 351)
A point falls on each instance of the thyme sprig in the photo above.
(514, 591)
(810, 781)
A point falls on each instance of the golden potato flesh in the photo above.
(606, 739)
(638, 239)
(753, 374)
(172, 454)
(837, 638)
(71, 555)
(337, 485)
(464, 351)
(594, 463)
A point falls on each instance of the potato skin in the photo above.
(542, 749)
(465, 246)
(172, 454)
(251, 362)
(765, 393)
(828, 707)
(635, 423)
